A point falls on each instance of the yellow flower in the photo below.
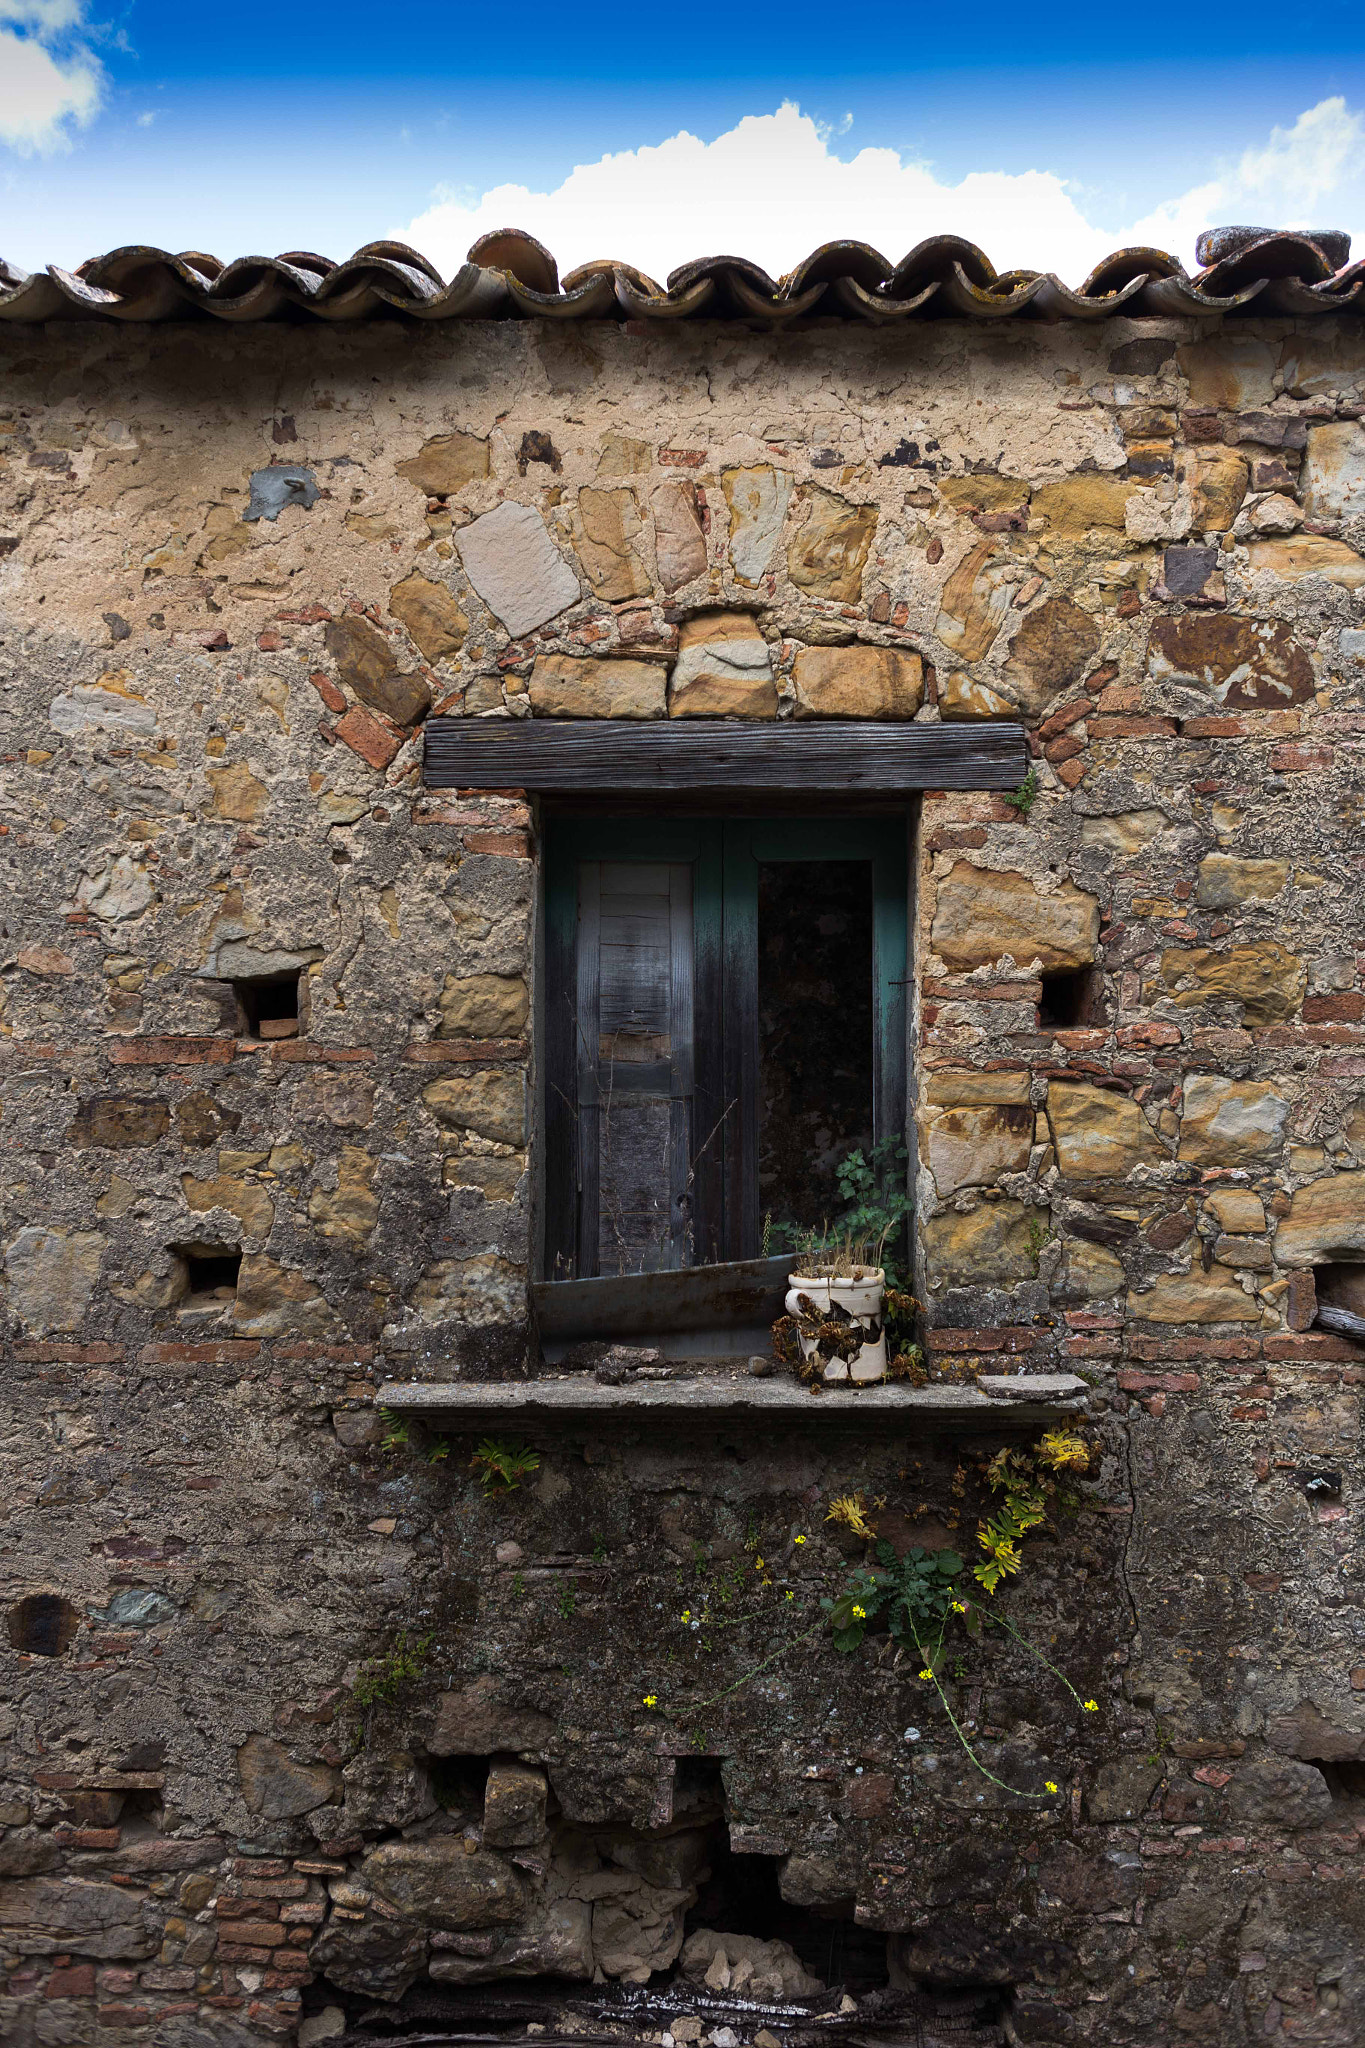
(1051, 1786)
(800, 1539)
(861, 1613)
(959, 1607)
(651, 1699)
(758, 1564)
(926, 1674)
(687, 1614)
(790, 1594)
(1092, 1706)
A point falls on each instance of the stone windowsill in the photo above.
(1013, 1400)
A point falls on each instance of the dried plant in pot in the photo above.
(835, 1326)
(835, 1299)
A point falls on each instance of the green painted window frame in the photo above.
(725, 854)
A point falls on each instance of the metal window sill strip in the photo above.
(1016, 1398)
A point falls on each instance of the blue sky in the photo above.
(654, 134)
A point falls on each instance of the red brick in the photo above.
(1094, 1347)
(1064, 749)
(1099, 677)
(1358, 1679)
(270, 642)
(76, 1982)
(230, 1351)
(328, 691)
(366, 735)
(1134, 1036)
(1217, 1348)
(1302, 757)
(682, 458)
(1118, 696)
(69, 1354)
(172, 1052)
(1133, 1382)
(1068, 715)
(243, 1952)
(516, 844)
(1347, 1008)
(1301, 1302)
(956, 839)
(292, 1052)
(1003, 1337)
(305, 615)
(431, 1051)
(89, 1838)
(1311, 1344)
(1213, 728)
(1131, 728)
(1072, 772)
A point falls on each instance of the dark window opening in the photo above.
(815, 1035)
(1345, 1781)
(213, 1273)
(743, 1896)
(1072, 998)
(43, 1625)
(268, 1006)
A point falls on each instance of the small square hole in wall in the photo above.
(1072, 998)
(268, 1006)
(212, 1274)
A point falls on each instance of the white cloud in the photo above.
(771, 188)
(49, 80)
(145, 120)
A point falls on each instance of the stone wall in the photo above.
(237, 569)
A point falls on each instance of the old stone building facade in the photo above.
(306, 1721)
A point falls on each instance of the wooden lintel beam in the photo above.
(576, 756)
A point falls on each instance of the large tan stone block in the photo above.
(983, 493)
(445, 464)
(1263, 976)
(1078, 504)
(367, 662)
(440, 1884)
(724, 669)
(829, 550)
(1256, 663)
(1230, 1123)
(976, 599)
(1099, 1134)
(961, 696)
(245, 1199)
(758, 500)
(483, 1006)
(981, 915)
(584, 686)
(117, 1122)
(351, 1209)
(959, 1087)
(1052, 649)
(1124, 832)
(1326, 1221)
(278, 1301)
(972, 1147)
(609, 529)
(1225, 882)
(1230, 372)
(434, 621)
(679, 543)
(857, 682)
(491, 1101)
(1309, 554)
(1088, 1272)
(1333, 481)
(1196, 1297)
(993, 1245)
(516, 568)
(1217, 480)
(52, 1273)
(1236, 1210)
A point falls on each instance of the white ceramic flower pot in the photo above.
(862, 1300)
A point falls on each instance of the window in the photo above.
(724, 1020)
